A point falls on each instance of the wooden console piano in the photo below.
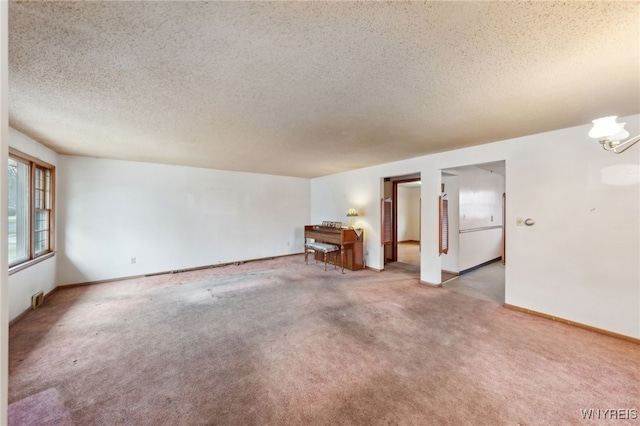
(348, 239)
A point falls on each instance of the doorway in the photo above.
(408, 224)
(401, 211)
(474, 260)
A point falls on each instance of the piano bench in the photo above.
(322, 248)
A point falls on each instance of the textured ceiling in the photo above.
(312, 88)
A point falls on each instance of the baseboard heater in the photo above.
(199, 268)
(37, 299)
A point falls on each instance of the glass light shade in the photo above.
(621, 135)
(603, 127)
(352, 212)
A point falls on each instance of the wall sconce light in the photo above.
(351, 214)
(611, 134)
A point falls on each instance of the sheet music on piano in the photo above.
(329, 224)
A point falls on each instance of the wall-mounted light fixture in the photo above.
(351, 214)
(611, 134)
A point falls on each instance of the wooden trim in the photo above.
(386, 218)
(394, 221)
(440, 225)
(52, 214)
(573, 323)
(177, 271)
(20, 316)
(394, 214)
(504, 221)
(26, 311)
(443, 237)
(14, 152)
(111, 280)
(27, 263)
(431, 284)
(35, 163)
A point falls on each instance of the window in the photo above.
(30, 208)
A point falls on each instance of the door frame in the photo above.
(394, 218)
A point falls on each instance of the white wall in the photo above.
(578, 262)
(479, 247)
(27, 282)
(408, 213)
(41, 276)
(480, 198)
(170, 217)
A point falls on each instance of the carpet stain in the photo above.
(284, 343)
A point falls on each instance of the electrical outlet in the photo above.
(133, 260)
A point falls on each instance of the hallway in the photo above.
(409, 252)
(486, 283)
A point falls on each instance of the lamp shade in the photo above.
(606, 126)
(352, 212)
(622, 134)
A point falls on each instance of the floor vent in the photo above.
(37, 299)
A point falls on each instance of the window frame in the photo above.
(35, 164)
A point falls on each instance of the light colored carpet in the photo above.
(277, 342)
(43, 408)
